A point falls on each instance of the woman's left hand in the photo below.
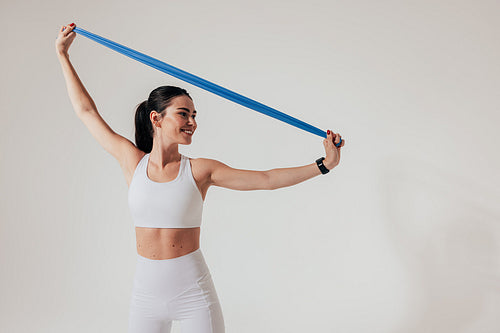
(332, 158)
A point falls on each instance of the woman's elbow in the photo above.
(267, 182)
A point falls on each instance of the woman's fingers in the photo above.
(65, 37)
(328, 139)
(67, 29)
(333, 138)
(61, 31)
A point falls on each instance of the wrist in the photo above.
(321, 166)
(62, 54)
(329, 164)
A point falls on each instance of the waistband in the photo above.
(189, 266)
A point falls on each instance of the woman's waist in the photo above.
(166, 243)
(161, 276)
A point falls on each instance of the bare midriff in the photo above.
(166, 243)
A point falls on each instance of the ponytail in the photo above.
(143, 128)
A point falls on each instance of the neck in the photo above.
(161, 155)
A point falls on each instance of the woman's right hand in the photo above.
(65, 38)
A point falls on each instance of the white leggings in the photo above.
(174, 289)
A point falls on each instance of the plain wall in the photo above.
(403, 236)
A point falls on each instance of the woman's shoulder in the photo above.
(202, 162)
(205, 166)
(202, 168)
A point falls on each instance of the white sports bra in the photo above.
(174, 204)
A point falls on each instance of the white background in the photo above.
(403, 236)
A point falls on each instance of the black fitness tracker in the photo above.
(321, 166)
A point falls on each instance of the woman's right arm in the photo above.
(80, 98)
(121, 148)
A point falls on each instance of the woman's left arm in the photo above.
(247, 180)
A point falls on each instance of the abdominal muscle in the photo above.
(166, 243)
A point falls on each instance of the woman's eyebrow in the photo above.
(186, 109)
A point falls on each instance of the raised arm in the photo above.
(80, 98)
(247, 180)
(118, 146)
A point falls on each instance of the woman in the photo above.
(166, 196)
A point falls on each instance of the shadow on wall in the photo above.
(445, 230)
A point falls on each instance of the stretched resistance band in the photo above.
(202, 83)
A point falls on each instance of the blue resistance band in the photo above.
(202, 83)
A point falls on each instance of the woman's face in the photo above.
(178, 123)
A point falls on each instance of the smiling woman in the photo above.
(154, 111)
(166, 196)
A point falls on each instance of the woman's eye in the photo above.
(184, 114)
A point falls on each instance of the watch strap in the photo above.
(321, 166)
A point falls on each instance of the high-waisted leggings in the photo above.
(178, 289)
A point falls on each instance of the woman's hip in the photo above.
(168, 277)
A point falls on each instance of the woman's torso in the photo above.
(167, 243)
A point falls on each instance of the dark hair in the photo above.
(158, 100)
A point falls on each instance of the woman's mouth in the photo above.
(188, 132)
